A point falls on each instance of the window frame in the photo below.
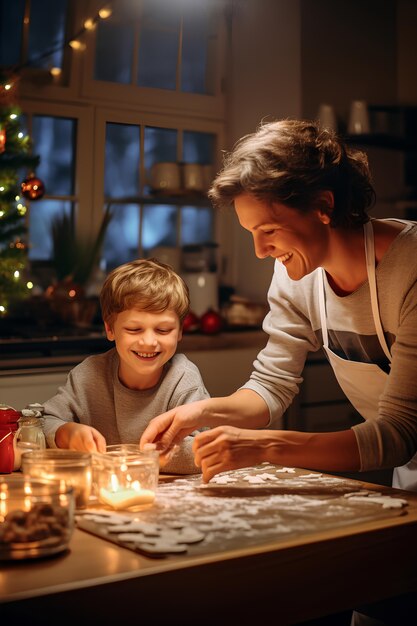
(84, 159)
(142, 119)
(165, 101)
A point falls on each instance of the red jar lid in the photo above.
(8, 415)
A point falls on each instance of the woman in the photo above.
(342, 282)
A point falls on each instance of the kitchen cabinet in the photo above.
(392, 149)
(225, 362)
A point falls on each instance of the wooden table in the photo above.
(293, 578)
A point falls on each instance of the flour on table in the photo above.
(223, 479)
(256, 479)
(246, 507)
(387, 502)
(310, 476)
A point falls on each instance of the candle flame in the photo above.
(136, 485)
(114, 483)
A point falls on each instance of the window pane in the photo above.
(54, 140)
(198, 147)
(122, 160)
(196, 225)
(160, 145)
(11, 20)
(158, 44)
(114, 52)
(41, 214)
(195, 76)
(47, 32)
(159, 227)
(122, 237)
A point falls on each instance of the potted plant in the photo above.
(75, 259)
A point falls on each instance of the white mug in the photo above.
(193, 177)
(358, 118)
(327, 117)
(166, 177)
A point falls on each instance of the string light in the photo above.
(105, 12)
(74, 42)
(89, 24)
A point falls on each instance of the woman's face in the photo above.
(298, 240)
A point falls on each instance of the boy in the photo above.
(110, 398)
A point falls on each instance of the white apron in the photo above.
(363, 383)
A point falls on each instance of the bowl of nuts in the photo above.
(36, 517)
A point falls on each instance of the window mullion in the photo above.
(140, 236)
(25, 33)
(135, 52)
(179, 58)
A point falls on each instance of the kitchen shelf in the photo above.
(381, 140)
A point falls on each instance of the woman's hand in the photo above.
(171, 427)
(244, 408)
(81, 437)
(228, 448)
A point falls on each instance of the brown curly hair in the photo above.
(292, 161)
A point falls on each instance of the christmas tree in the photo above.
(15, 158)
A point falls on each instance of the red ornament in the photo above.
(191, 323)
(211, 323)
(33, 188)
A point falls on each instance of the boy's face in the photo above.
(145, 341)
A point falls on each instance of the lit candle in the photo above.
(125, 497)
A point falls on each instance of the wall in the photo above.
(407, 51)
(289, 56)
(348, 52)
(265, 83)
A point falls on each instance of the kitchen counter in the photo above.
(63, 347)
(328, 553)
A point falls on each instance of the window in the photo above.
(145, 90)
(32, 32)
(54, 141)
(162, 45)
(141, 221)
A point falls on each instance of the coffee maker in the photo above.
(199, 271)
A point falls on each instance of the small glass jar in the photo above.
(70, 466)
(125, 477)
(29, 436)
(36, 517)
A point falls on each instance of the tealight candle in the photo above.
(125, 477)
(126, 498)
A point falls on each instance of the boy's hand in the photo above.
(75, 436)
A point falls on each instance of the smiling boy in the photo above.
(110, 398)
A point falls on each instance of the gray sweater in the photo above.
(94, 395)
(294, 328)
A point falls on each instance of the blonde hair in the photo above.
(144, 284)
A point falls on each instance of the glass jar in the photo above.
(29, 435)
(125, 477)
(36, 517)
(70, 466)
